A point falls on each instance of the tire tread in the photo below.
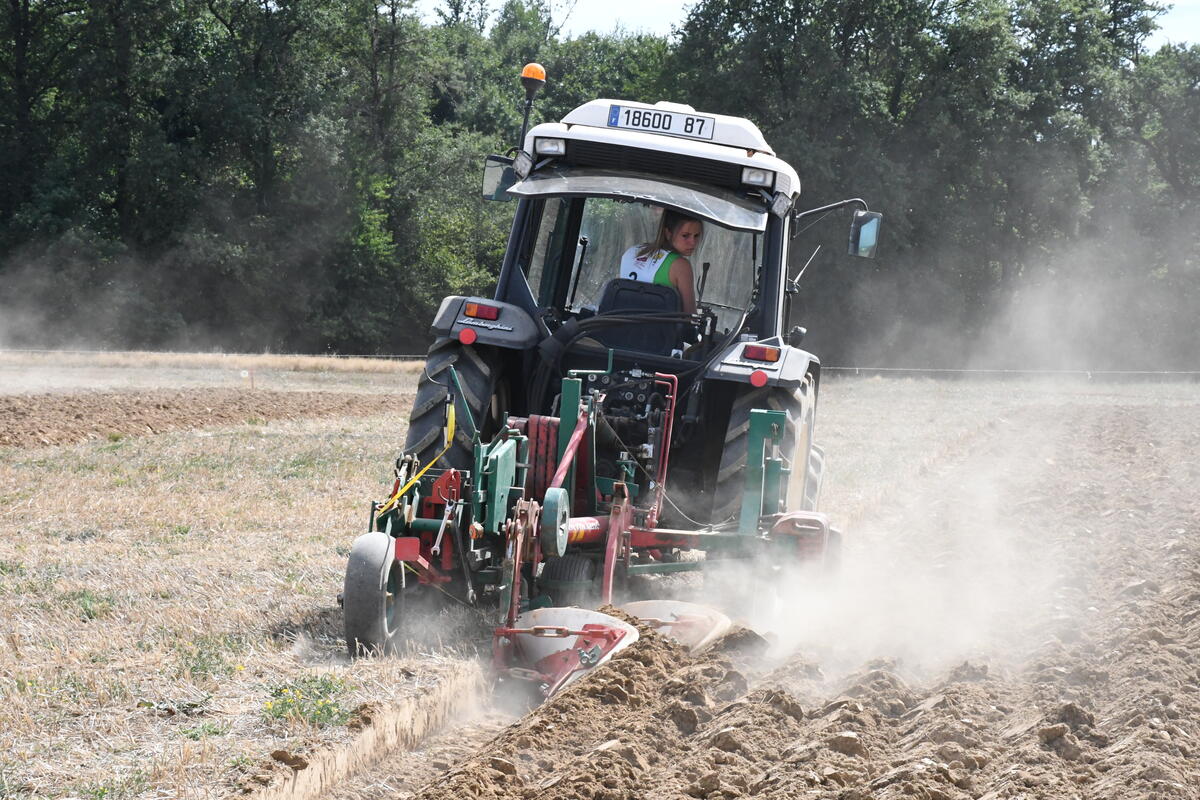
(478, 378)
(730, 486)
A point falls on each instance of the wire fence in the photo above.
(860, 371)
(388, 356)
(1088, 374)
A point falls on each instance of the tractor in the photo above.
(581, 427)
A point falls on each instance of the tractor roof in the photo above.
(678, 132)
(728, 131)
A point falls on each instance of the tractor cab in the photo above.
(597, 185)
(583, 241)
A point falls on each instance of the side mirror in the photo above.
(864, 233)
(796, 335)
(498, 176)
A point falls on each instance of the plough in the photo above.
(533, 525)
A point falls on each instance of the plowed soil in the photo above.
(31, 420)
(1018, 616)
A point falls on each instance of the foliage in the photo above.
(203, 730)
(208, 656)
(87, 605)
(303, 175)
(312, 699)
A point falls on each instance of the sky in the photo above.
(1180, 24)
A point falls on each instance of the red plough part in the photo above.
(558, 654)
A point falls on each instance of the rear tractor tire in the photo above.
(482, 395)
(799, 405)
(373, 596)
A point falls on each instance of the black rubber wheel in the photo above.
(797, 440)
(482, 395)
(568, 580)
(373, 595)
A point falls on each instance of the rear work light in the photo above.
(760, 352)
(481, 311)
(753, 176)
(550, 147)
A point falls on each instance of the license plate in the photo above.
(654, 120)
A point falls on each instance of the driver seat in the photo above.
(622, 296)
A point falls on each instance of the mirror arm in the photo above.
(851, 202)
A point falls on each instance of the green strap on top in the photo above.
(662, 276)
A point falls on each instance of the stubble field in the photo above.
(1017, 614)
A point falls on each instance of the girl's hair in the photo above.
(670, 222)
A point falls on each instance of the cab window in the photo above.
(580, 242)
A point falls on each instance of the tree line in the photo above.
(303, 175)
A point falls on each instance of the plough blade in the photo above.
(694, 626)
(557, 646)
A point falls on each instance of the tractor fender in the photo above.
(512, 328)
(789, 371)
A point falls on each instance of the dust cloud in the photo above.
(222, 283)
(969, 597)
(1115, 298)
(951, 564)
(1088, 309)
(72, 300)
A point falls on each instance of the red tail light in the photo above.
(481, 311)
(760, 352)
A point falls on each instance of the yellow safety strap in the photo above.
(391, 502)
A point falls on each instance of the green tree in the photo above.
(1164, 116)
(38, 41)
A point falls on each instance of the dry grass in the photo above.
(158, 593)
(238, 361)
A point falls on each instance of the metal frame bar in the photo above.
(764, 425)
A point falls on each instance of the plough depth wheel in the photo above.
(568, 580)
(373, 595)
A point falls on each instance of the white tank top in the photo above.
(645, 268)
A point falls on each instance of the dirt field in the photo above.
(1017, 615)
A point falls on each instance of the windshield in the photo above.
(726, 207)
(581, 241)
